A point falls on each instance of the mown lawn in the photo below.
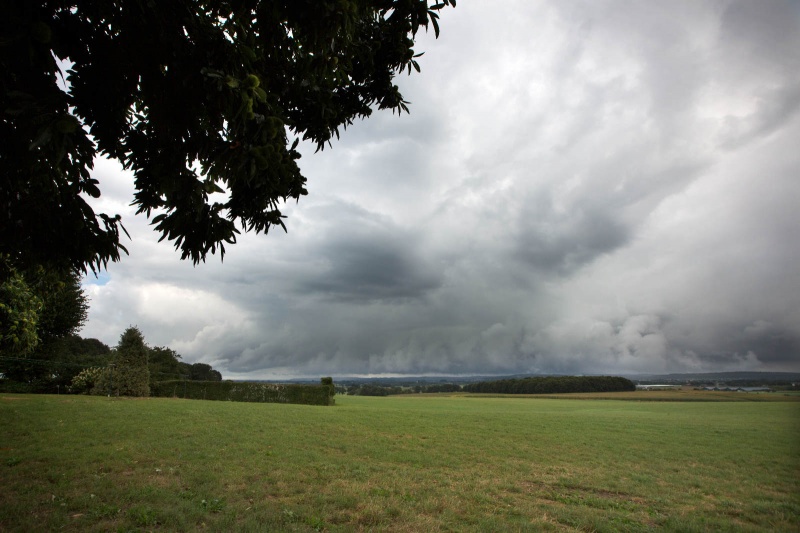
(419, 463)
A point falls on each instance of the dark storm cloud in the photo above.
(565, 242)
(363, 257)
(770, 344)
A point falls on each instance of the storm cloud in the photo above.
(581, 187)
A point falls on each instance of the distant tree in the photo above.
(552, 385)
(130, 375)
(201, 372)
(165, 364)
(67, 356)
(369, 389)
(196, 97)
(93, 347)
(442, 387)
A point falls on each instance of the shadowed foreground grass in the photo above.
(397, 464)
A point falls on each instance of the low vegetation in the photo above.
(403, 463)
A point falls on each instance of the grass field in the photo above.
(407, 463)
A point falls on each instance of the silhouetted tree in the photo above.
(195, 97)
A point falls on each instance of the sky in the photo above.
(581, 187)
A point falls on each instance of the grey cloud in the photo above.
(362, 257)
(774, 345)
(371, 269)
(564, 242)
(735, 344)
(593, 189)
(760, 36)
(774, 109)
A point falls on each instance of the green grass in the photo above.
(79, 463)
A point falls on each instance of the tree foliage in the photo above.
(369, 389)
(19, 314)
(41, 311)
(114, 373)
(202, 372)
(553, 385)
(64, 304)
(164, 363)
(440, 387)
(51, 367)
(204, 100)
(131, 375)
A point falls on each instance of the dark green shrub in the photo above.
(328, 382)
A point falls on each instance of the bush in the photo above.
(86, 381)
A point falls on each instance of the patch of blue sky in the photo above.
(101, 278)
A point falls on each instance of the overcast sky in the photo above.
(581, 187)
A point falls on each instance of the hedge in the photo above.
(241, 391)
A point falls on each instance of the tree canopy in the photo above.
(41, 312)
(38, 305)
(203, 100)
(19, 313)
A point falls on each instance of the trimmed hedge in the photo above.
(553, 384)
(241, 391)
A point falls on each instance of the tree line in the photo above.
(530, 385)
(372, 389)
(41, 312)
(72, 364)
(553, 384)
